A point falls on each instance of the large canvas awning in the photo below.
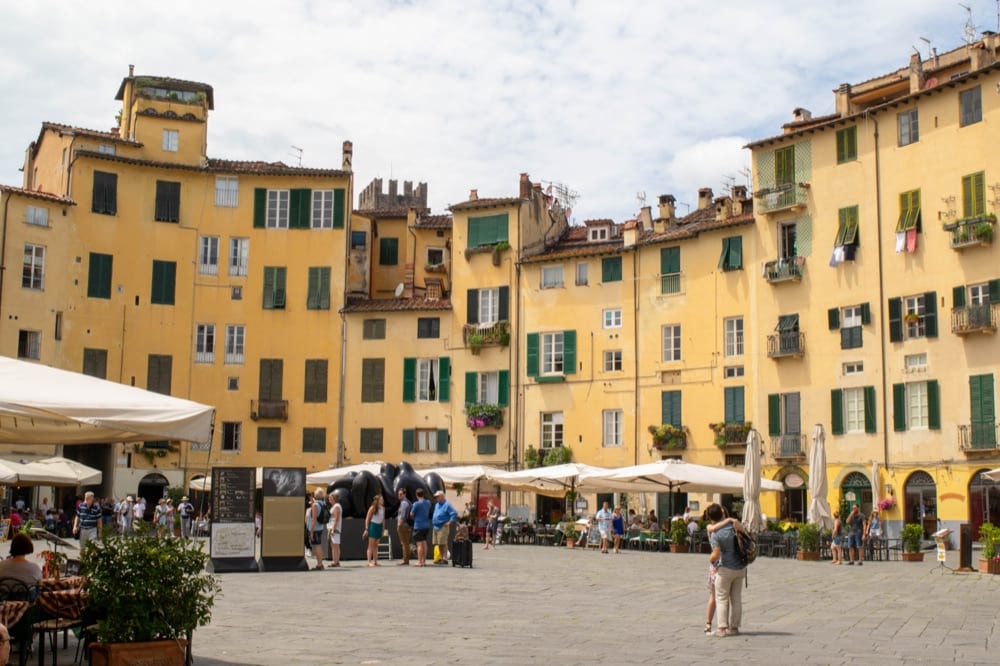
(43, 405)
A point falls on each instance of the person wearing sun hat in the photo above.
(186, 511)
(444, 517)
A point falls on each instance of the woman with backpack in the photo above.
(730, 574)
(317, 516)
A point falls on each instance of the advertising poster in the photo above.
(282, 543)
(233, 543)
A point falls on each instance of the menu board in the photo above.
(233, 494)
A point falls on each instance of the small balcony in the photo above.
(483, 416)
(981, 318)
(978, 437)
(730, 434)
(971, 232)
(784, 197)
(784, 270)
(789, 343)
(788, 447)
(269, 410)
(670, 283)
(477, 336)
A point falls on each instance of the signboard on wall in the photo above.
(233, 541)
(283, 521)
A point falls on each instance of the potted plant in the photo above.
(912, 536)
(678, 537)
(984, 232)
(568, 527)
(475, 342)
(498, 250)
(531, 459)
(668, 436)
(151, 594)
(808, 541)
(989, 538)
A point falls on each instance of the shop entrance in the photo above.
(855, 489)
(984, 502)
(920, 502)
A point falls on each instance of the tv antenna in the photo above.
(970, 27)
(641, 198)
(563, 194)
(930, 53)
(298, 153)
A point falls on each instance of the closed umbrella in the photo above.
(819, 508)
(876, 484)
(752, 518)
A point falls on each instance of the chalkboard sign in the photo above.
(233, 494)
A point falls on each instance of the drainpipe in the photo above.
(340, 401)
(635, 348)
(3, 246)
(881, 298)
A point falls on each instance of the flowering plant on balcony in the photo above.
(730, 433)
(667, 436)
(484, 415)
(887, 503)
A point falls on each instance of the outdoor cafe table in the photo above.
(62, 597)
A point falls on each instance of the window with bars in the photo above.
(204, 343)
(33, 271)
(314, 440)
(373, 380)
(227, 190)
(168, 201)
(268, 439)
(208, 255)
(316, 380)
(371, 440)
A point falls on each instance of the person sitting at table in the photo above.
(18, 566)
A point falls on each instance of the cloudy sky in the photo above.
(613, 99)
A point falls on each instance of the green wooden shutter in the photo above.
(833, 318)
(503, 388)
(269, 275)
(472, 239)
(670, 408)
(784, 165)
(724, 257)
(974, 195)
(444, 379)
(442, 441)
(324, 289)
(736, 253)
(870, 420)
(318, 297)
(994, 286)
(930, 314)
(611, 269)
(958, 296)
(472, 306)
(895, 320)
(471, 388)
(299, 208)
(774, 414)
(312, 298)
(982, 412)
(899, 407)
(259, 207)
(670, 260)
(409, 380)
(569, 352)
(339, 198)
(503, 305)
(279, 286)
(933, 405)
(164, 282)
(532, 354)
(837, 412)
(409, 440)
(734, 404)
(866, 314)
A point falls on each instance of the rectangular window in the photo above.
(733, 330)
(105, 194)
(373, 329)
(163, 282)
(102, 148)
(427, 441)
(853, 368)
(731, 258)
(429, 327)
(487, 230)
(268, 439)
(487, 387)
(427, 379)
(974, 195)
(970, 106)
(784, 166)
(581, 274)
(613, 361)
(322, 209)
(318, 297)
(734, 404)
(168, 201)
(227, 190)
(388, 251)
(851, 319)
(232, 436)
(612, 419)
(271, 379)
(33, 273)
(613, 318)
(435, 256)
(979, 294)
(95, 362)
(239, 255)
(909, 128)
(598, 233)
(847, 226)
(486, 445)
(671, 342)
(171, 138)
(371, 440)
(733, 371)
(671, 408)
(57, 333)
(611, 269)
(788, 233)
(274, 287)
(916, 406)
(159, 368)
(913, 317)
(37, 216)
(276, 215)
(552, 353)
(670, 270)
(29, 344)
(208, 255)
(314, 440)
(233, 384)
(909, 211)
(552, 429)
(847, 144)
(854, 410)
(552, 276)
(915, 362)
(489, 306)
(204, 343)
(359, 240)
(373, 380)
(316, 380)
(235, 339)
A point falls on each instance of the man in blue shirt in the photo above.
(444, 516)
(88, 515)
(731, 573)
(421, 514)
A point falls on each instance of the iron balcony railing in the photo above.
(479, 335)
(971, 231)
(782, 270)
(790, 343)
(269, 409)
(788, 446)
(670, 283)
(774, 199)
(978, 437)
(979, 318)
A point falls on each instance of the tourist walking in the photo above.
(837, 539)
(856, 532)
(492, 523)
(88, 517)
(373, 528)
(186, 511)
(603, 517)
(421, 514)
(730, 575)
(618, 528)
(444, 517)
(403, 525)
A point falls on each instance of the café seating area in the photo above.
(54, 606)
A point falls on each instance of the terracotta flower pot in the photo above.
(913, 557)
(167, 653)
(808, 555)
(679, 548)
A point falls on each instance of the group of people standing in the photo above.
(859, 532)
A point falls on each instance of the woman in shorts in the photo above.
(837, 539)
(373, 528)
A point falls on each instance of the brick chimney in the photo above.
(473, 195)
(704, 197)
(739, 195)
(348, 155)
(630, 232)
(525, 187)
(917, 77)
(667, 208)
(408, 281)
(843, 100)
(645, 217)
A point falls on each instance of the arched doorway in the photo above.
(152, 487)
(920, 501)
(793, 497)
(855, 489)
(984, 502)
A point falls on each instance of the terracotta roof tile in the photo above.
(601, 222)
(395, 305)
(373, 213)
(44, 196)
(472, 204)
(97, 134)
(225, 166)
(433, 222)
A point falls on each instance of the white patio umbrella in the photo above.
(551, 481)
(463, 474)
(328, 476)
(876, 484)
(752, 518)
(819, 508)
(59, 471)
(670, 476)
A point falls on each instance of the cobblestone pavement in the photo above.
(524, 604)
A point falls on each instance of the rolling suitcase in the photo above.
(461, 554)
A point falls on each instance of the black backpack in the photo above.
(746, 547)
(324, 514)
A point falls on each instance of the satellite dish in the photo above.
(931, 82)
(399, 290)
